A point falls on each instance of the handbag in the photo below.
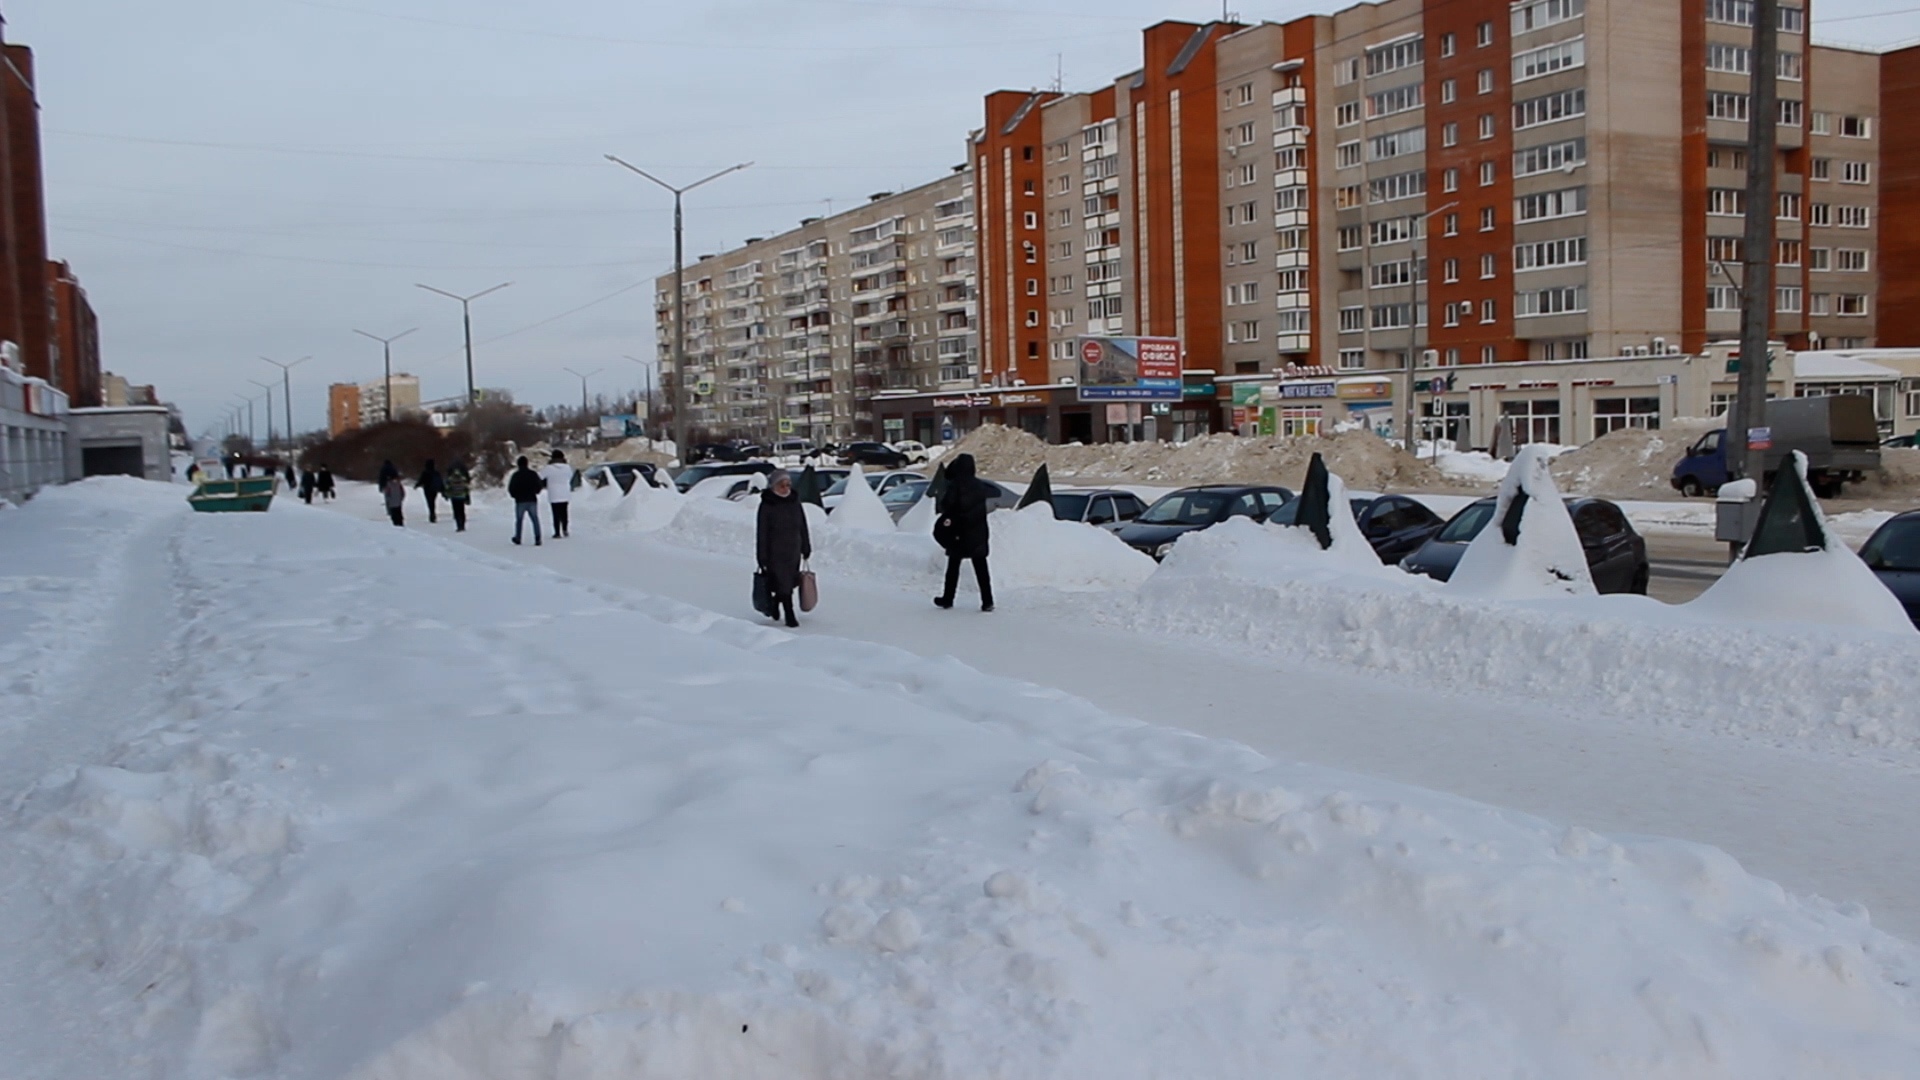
(945, 532)
(809, 589)
(763, 594)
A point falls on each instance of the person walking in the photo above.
(781, 540)
(396, 495)
(387, 472)
(431, 484)
(323, 481)
(306, 486)
(962, 530)
(558, 476)
(459, 489)
(291, 479)
(524, 488)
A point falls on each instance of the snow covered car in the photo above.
(916, 452)
(1109, 508)
(900, 498)
(1616, 554)
(1194, 508)
(880, 482)
(1893, 554)
(621, 472)
(1395, 525)
(686, 478)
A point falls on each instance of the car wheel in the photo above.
(1641, 578)
(1691, 488)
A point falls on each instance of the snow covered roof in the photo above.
(1811, 366)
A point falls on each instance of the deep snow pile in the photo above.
(415, 814)
(1632, 463)
(860, 509)
(1544, 560)
(1364, 458)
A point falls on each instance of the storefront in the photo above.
(1052, 413)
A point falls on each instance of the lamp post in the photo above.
(583, 377)
(646, 369)
(679, 300)
(386, 358)
(286, 388)
(1413, 335)
(466, 323)
(268, 387)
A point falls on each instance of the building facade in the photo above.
(794, 335)
(351, 406)
(75, 348)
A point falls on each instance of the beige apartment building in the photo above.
(793, 335)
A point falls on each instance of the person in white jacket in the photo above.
(559, 479)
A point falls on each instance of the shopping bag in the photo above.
(809, 589)
(945, 532)
(763, 594)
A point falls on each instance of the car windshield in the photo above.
(1070, 507)
(839, 487)
(693, 475)
(1187, 508)
(1467, 523)
(906, 493)
(1895, 546)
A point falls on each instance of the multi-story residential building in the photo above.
(360, 405)
(343, 408)
(74, 348)
(1411, 185)
(796, 334)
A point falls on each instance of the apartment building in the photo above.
(796, 334)
(351, 406)
(1414, 185)
(74, 346)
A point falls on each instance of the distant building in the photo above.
(357, 405)
(25, 307)
(75, 349)
(343, 408)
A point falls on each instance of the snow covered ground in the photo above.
(301, 795)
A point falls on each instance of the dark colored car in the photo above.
(1616, 554)
(901, 497)
(1192, 509)
(693, 474)
(716, 452)
(623, 473)
(1893, 554)
(872, 454)
(1109, 508)
(1395, 525)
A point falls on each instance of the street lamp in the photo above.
(679, 300)
(386, 357)
(584, 376)
(286, 388)
(646, 368)
(1413, 335)
(466, 323)
(268, 387)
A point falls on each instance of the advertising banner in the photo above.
(1129, 369)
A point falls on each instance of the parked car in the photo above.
(900, 498)
(686, 478)
(1893, 554)
(623, 473)
(715, 452)
(873, 455)
(1838, 433)
(1109, 508)
(916, 452)
(1395, 525)
(1192, 509)
(1616, 554)
(793, 448)
(880, 482)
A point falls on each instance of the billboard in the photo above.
(1129, 369)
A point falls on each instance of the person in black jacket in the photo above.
(388, 471)
(431, 485)
(525, 486)
(323, 481)
(962, 529)
(781, 540)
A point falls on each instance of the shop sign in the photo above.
(1205, 389)
(1023, 399)
(972, 401)
(1269, 422)
(1362, 391)
(1129, 369)
(1307, 390)
(1246, 393)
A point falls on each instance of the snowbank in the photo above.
(859, 507)
(1031, 547)
(802, 858)
(1544, 560)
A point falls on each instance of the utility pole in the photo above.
(583, 377)
(286, 388)
(1749, 408)
(466, 323)
(1420, 277)
(646, 369)
(386, 355)
(679, 295)
(268, 387)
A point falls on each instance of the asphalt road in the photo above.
(1683, 565)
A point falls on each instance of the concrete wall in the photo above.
(137, 427)
(34, 449)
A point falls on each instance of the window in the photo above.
(1030, 220)
(1246, 330)
(1346, 155)
(1243, 135)
(1450, 180)
(1560, 155)
(1559, 300)
(1383, 59)
(1613, 414)
(1726, 249)
(1855, 127)
(1786, 299)
(1532, 64)
(1726, 157)
(1740, 13)
(1549, 108)
(1449, 134)
(1819, 304)
(1819, 258)
(1245, 292)
(1726, 202)
(1243, 94)
(1489, 311)
(1392, 316)
(1285, 240)
(1489, 265)
(1352, 319)
(1296, 280)
(1822, 168)
(1483, 82)
(1352, 359)
(1543, 13)
(1348, 238)
(1786, 253)
(1789, 209)
(1850, 304)
(1723, 298)
(1289, 198)
(1791, 20)
(1450, 358)
(1397, 100)
(1033, 317)
(1346, 71)
(1394, 230)
(1486, 173)
(1483, 34)
(1851, 217)
(1819, 213)
(1535, 420)
(1446, 44)
(1249, 250)
(1486, 125)
(1294, 321)
(1854, 172)
(1287, 157)
(1346, 114)
(1399, 272)
(1571, 251)
(1724, 106)
(1850, 259)
(1395, 143)
(1249, 173)
(1406, 185)
(1790, 67)
(1551, 204)
(1450, 271)
(1450, 315)
(1737, 59)
(1822, 123)
(1792, 113)
(1450, 225)
(1033, 286)
(1487, 219)
(1447, 92)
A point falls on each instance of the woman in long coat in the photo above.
(781, 540)
(962, 530)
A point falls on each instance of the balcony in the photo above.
(1290, 260)
(1286, 137)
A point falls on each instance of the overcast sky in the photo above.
(238, 178)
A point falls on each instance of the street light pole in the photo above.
(386, 355)
(646, 369)
(268, 387)
(679, 297)
(583, 385)
(286, 388)
(1749, 409)
(1413, 335)
(466, 323)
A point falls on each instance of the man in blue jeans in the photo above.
(525, 486)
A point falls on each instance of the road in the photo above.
(1684, 564)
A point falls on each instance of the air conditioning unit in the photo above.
(1659, 346)
(1066, 380)
(1019, 382)
(1429, 357)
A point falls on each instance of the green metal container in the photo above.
(221, 496)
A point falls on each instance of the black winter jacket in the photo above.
(525, 485)
(781, 539)
(430, 481)
(965, 504)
